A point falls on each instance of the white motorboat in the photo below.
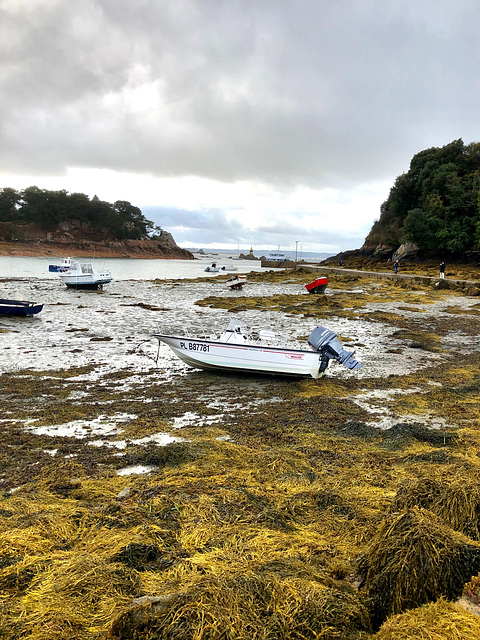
(236, 282)
(228, 268)
(83, 275)
(236, 350)
(213, 268)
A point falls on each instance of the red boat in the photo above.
(317, 286)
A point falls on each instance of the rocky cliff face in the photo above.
(72, 238)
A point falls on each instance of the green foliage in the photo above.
(436, 204)
(47, 209)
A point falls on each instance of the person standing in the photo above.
(396, 266)
(442, 269)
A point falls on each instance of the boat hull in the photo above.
(261, 359)
(19, 308)
(85, 281)
(317, 286)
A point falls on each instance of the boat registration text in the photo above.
(194, 346)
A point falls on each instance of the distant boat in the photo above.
(19, 308)
(83, 275)
(228, 268)
(213, 268)
(317, 286)
(56, 268)
(236, 282)
(237, 350)
(276, 257)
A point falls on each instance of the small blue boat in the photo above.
(61, 268)
(19, 308)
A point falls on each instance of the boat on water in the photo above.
(228, 268)
(266, 353)
(19, 308)
(236, 282)
(83, 275)
(317, 286)
(213, 268)
(64, 266)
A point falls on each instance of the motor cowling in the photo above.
(328, 344)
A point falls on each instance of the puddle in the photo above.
(138, 469)
(161, 439)
(103, 425)
(190, 419)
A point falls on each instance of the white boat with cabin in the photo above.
(83, 275)
(213, 268)
(237, 350)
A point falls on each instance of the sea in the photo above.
(125, 268)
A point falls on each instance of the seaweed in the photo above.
(412, 560)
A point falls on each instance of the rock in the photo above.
(472, 291)
(124, 493)
(443, 284)
(406, 251)
(142, 617)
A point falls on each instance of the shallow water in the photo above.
(124, 268)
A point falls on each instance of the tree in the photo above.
(47, 209)
(436, 203)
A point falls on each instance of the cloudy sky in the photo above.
(235, 123)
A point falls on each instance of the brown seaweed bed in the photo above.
(141, 499)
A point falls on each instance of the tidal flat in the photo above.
(142, 499)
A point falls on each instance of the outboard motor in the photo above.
(326, 341)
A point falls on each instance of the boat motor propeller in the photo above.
(327, 342)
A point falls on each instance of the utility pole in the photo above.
(296, 251)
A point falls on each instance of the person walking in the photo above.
(396, 266)
(442, 269)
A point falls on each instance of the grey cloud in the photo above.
(214, 227)
(283, 91)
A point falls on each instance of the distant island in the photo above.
(38, 222)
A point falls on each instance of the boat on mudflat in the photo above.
(317, 286)
(266, 353)
(83, 275)
(236, 282)
(19, 308)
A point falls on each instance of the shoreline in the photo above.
(146, 249)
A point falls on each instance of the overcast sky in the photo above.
(235, 123)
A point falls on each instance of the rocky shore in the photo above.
(88, 248)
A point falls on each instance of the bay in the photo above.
(124, 268)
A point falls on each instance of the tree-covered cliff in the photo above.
(435, 205)
(49, 210)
